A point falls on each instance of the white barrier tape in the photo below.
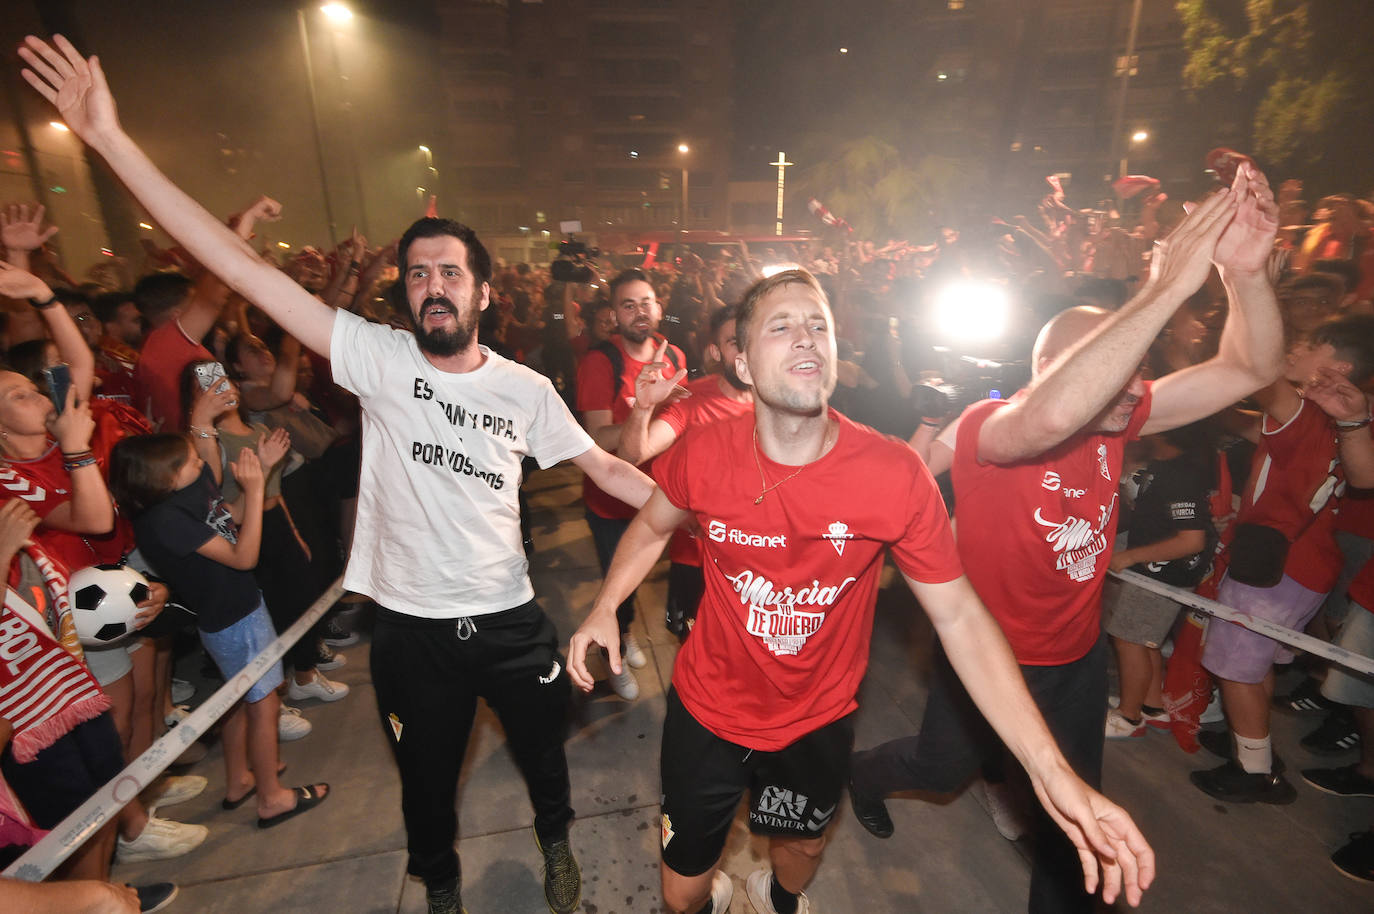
(40, 860)
(1357, 662)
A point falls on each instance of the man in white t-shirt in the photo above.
(437, 544)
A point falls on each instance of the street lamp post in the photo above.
(1136, 138)
(781, 164)
(683, 149)
(315, 125)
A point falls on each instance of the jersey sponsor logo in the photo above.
(778, 807)
(718, 531)
(775, 616)
(1078, 542)
(553, 673)
(1183, 510)
(838, 534)
(1051, 481)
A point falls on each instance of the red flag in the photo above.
(1129, 186)
(1187, 687)
(432, 208)
(820, 212)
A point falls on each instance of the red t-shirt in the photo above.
(114, 366)
(1036, 536)
(783, 631)
(1294, 474)
(706, 404)
(46, 485)
(165, 354)
(598, 390)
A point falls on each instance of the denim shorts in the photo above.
(233, 648)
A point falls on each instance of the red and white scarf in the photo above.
(45, 687)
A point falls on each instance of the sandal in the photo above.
(307, 798)
(227, 803)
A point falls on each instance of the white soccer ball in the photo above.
(104, 602)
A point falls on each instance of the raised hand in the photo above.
(652, 388)
(1183, 260)
(248, 471)
(273, 447)
(209, 405)
(1336, 396)
(264, 209)
(74, 426)
(17, 283)
(21, 227)
(75, 86)
(17, 523)
(1248, 240)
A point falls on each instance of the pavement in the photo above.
(348, 855)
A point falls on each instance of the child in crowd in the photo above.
(187, 532)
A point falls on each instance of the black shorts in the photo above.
(793, 792)
(67, 773)
(686, 583)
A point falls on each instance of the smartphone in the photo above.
(209, 374)
(59, 381)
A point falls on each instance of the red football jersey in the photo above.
(782, 635)
(598, 390)
(1036, 536)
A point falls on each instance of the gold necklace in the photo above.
(763, 481)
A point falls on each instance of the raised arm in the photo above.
(243, 553)
(78, 89)
(1348, 405)
(1250, 354)
(17, 282)
(1102, 832)
(1091, 373)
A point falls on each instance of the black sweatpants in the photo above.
(606, 534)
(955, 741)
(428, 676)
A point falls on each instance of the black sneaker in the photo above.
(871, 813)
(1234, 784)
(1356, 859)
(326, 658)
(445, 899)
(1341, 782)
(336, 635)
(1218, 742)
(1336, 734)
(562, 877)
(1305, 699)
(155, 897)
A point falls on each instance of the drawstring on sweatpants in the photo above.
(465, 629)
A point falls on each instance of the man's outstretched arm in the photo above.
(1103, 832)
(78, 89)
(1091, 373)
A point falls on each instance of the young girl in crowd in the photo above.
(283, 571)
(187, 532)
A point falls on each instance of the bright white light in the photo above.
(634, 153)
(844, 50)
(424, 149)
(283, 245)
(1140, 136)
(775, 268)
(58, 125)
(972, 311)
(683, 148)
(144, 225)
(337, 12)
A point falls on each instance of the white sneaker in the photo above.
(1118, 727)
(1160, 721)
(634, 654)
(1007, 811)
(160, 840)
(757, 887)
(179, 789)
(319, 687)
(182, 691)
(625, 684)
(1214, 713)
(722, 891)
(291, 726)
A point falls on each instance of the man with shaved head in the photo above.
(1035, 479)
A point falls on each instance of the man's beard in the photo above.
(632, 335)
(447, 342)
(732, 377)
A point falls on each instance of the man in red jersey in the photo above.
(648, 433)
(605, 396)
(1036, 478)
(807, 504)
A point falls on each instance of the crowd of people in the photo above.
(236, 430)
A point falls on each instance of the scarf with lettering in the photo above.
(45, 687)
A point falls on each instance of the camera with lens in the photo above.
(572, 264)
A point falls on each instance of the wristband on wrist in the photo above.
(76, 455)
(1351, 426)
(44, 305)
(203, 432)
(78, 463)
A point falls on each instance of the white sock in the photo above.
(1255, 756)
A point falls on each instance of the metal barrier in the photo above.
(1299, 640)
(39, 861)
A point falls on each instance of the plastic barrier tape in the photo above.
(1325, 649)
(47, 855)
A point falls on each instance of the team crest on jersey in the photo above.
(1102, 462)
(838, 534)
(667, 829)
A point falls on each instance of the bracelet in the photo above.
(1352, 426)
(204, 432)
(76, 455)
(44, 305)
(933, 423)
(87, 461)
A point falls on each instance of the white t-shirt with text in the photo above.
(438, 528)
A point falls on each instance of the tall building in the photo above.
(575, 110)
